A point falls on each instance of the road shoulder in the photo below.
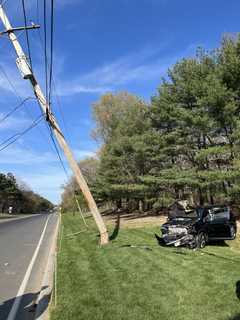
(43, 300)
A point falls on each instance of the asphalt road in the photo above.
(24, 249)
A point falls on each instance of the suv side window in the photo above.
(220, 215)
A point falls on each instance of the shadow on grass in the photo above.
(220, 243)
(27, 305)
(116, 229)
(160, 240)
(236, 317)
(238, 289)
(219, 256)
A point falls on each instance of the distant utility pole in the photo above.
(27, 73)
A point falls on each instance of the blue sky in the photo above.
(99, 46)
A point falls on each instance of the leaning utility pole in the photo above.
(27, 73)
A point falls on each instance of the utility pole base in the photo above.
(104, 238)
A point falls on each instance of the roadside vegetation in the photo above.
(19, 197)
(184, 144)
(145, 281)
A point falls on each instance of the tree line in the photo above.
(18, 198)
(184, 144)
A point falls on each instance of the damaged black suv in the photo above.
(195, 227)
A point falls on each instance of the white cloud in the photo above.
(81, 154)
(137, 67)
(25, 156)
(75, 88)
(17, 154)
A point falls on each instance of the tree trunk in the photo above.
(201, 198)
(141, 206)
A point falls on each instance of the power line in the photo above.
(57, 151)
(9, 81)
(26, 30)
(15, 109)
(18, 96)
(45, 48)
(17, 136)
(47, 67)
(61, 111)
(51, 52)
(54, 85)
(3, 2)
(48, 85)
(37, 12)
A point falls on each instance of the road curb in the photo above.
(43, 300)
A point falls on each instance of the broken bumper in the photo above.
(178, 240)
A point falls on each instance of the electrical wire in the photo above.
(17, 136)
(51, 53)
(61, 111)
(45, 48)
(48, 88)
(15, 109)
(26, 31)
(3, 2)
(65, 125)
(18, 96)
(9, 81)
(41, 42)
(57, 151)
(37, 12)
(48, 82)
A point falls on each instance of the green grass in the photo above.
(115, 282)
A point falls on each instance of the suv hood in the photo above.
(180, 222)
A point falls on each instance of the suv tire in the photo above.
(233, 232)
(201, 240)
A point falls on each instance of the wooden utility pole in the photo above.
(27, 73)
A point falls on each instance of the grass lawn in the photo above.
(119, 282)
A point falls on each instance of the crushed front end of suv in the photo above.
(195, 227)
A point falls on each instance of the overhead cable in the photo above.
(45, 48)
(5, 144)
(26, 31)
(58, 152)
(15, 109)
(51, 53)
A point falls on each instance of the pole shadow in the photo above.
(28, 305)
(114, 235)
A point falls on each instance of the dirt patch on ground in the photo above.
(132, 221)
(136, 220)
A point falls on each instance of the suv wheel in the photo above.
(233, 232)
(201, 240)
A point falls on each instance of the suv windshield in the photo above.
(183, 214)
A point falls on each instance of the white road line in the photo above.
(22, 288)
